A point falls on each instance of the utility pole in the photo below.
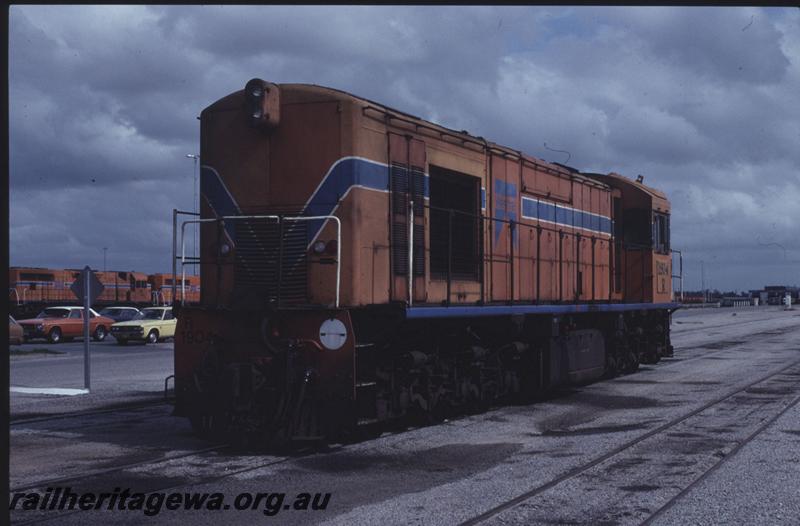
(104, 258)
(703, 281)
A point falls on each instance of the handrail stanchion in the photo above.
(174, 248)
(411, 252)
(511, 258)
(449, 254)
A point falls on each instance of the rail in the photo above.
(280, 220)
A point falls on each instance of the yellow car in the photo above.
(149, 326)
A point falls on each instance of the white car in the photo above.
(120, 313)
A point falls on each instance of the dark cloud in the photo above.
(705, 102)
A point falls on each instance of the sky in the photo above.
(704, 102)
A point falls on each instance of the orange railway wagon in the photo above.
(162, 288)
(360, 264)
(32, 288)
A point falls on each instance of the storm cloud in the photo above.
(704, 102)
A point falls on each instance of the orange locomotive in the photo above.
(360, 264)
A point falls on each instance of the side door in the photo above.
(73, 324)
(168, 325)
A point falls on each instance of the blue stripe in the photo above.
(221, 202)
(351, 171)
(564, 215)
(344, 174)
(507, 310)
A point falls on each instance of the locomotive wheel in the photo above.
(632, 363)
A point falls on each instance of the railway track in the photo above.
(720, 347)
(84, 477)
(61, 480)
(92, 412)
(792, 369)
(760, 429)
(158, 488)
(710, 327)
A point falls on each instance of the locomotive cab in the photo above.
(642, 268)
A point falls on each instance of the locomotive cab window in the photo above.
(455, 248)
(637, 233)
(661, 233)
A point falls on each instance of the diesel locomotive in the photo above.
(361, 265)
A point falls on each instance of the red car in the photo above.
(57, 323)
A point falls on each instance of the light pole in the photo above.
(194, 196)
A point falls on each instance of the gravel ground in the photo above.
(453, 472)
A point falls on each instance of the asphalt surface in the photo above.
(118, 375)
(709, 436)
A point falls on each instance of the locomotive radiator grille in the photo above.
(271, 259)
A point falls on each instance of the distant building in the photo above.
(738, 301)
(776, 293)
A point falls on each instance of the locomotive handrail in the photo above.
(274, 217)
(511, 258)
(183, 254)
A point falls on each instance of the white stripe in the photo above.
(565, 225)
(49, 390)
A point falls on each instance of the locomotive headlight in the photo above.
(332, 334)
(319, 247)
(256, 90)
(262, 103)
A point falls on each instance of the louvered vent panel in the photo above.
(264, 266)
(399, 189)
(418, 190)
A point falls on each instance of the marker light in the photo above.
(319, 247)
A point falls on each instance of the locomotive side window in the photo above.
(454, 236)
(661, 233)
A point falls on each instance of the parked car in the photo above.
(120, 313)
(15, 336)
(57, 323)
(151, 325)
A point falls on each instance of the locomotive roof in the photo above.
(652, 192)
(315, 89)
(556, 167)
